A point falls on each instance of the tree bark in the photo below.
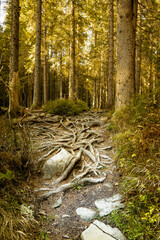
(61, 76)
(138, 51)
(95, 75)
(110, 83)
(45, 69)
(73, 55)
(37, 80)
(125, 53)
(13, 85)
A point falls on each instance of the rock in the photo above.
(106, 206)
(56, 164)
(85, 214)
(58, 203)
(94, 233)
(100, 231)
(115, 232)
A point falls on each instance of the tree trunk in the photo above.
(125, 53)
(110, 84)
(13, 85)
(45, 70)
(138, 51)
(37, 80)
(70, 85)
(95, 73)
(61, 76)
(77, 58)
(73, 46)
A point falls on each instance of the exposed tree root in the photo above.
(68, 186)
(78, 136)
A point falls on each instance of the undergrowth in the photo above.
(16, 167)
(65, 107)
(136, 130)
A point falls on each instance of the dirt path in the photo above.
(62, 222)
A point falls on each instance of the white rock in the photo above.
(116, 197)
(115, 232)
(85, 214)
(56, 164)
(106, 206)
(94, 233)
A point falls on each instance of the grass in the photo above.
(136, 134)
(16, 167)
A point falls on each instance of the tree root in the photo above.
(68, 186)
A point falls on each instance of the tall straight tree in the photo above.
(73, 51)
(125, 52)
(110, 83)
(37, 80)
(13, 93)
(45, 68)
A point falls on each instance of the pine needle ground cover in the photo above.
(136, 131)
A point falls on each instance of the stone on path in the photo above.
(85, 214)
(107, 205)
(100, 231)
(58, 203)
(56, 164)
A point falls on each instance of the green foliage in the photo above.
(65, 107)
(77, 186)
(137, 140)
(8, 175)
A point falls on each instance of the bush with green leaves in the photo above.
(65, 107)
(137, 140)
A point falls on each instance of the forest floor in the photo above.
(86, 130)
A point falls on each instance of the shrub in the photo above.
(65, 107)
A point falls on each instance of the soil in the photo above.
(62, 222)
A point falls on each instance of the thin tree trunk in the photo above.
(61, 76)
(125, 54)
(110, 85)
(37, 80)
(73, 46)
(95, 77)
(13, 85)
(70, 86)
(138, 50)
(45, 69)
(78, 58)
